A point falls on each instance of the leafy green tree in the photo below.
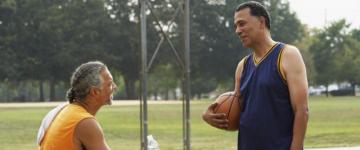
(56, 36)
(163, 79)
(45, 40)
(285, 25)
(215, 48)
(326, 48)
(8, 65)
(303, 45)
(122, 44)
(347, 61)
(355, 33)
(125, 27)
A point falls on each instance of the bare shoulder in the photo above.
(291, 51)
(292, 63)
(88, 127)
(241, 63)
(239, 68)
(88, 123)
(90, 135)
(291, 56)
(238, 74)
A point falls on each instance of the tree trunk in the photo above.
(130, 88)
(175, 96)
(327, 90)
(41, 91)
(52, 90)
(166, 94)
(353, 89)
(7, 92)
(155, 95)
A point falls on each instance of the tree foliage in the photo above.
(44, 40)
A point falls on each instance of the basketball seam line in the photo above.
(220, 104)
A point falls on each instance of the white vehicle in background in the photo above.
(316, 90)
(321, 89)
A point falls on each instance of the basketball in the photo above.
(229, 104)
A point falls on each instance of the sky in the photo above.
(319, 13)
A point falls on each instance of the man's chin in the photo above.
(245, 44)
(109, 102)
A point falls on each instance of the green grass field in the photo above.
(333, 122)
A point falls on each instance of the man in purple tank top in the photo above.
(272, 84)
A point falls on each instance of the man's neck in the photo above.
(90, 108)
(263, 46)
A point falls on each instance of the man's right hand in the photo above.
(217, 120)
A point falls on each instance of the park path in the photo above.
(336, 148)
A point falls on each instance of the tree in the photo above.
(327, 49)
(285, 25)
(122, 42)
(56, 36)
(8, 65)
(303, 45)
(45, 40)
(215, 48)
(348, 59)
(125, 27)
(163, 79)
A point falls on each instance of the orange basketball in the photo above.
(229, 104)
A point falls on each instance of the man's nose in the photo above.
(115, 87)
(238, 31)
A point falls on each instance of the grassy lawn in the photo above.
(333, 122)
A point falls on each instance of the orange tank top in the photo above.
(60, 134)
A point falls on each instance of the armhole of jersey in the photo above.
(76, 125)
(244, 65)
(245, 59)
(280, 69)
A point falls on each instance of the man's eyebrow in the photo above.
(237, 21)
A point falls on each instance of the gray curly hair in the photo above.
(84, 77)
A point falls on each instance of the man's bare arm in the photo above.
(90, 135)
(295, 73)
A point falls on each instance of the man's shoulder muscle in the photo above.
(291, 58)
(88, 132)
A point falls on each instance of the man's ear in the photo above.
(93, 91)
(262, 21)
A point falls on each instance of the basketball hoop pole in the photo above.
(184, 63)
(143, 99)
(187, 73)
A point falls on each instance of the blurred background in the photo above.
(43, 41)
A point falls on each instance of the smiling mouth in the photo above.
(242, 38)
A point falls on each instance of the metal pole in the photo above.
(183, 110)
(187, 69)
(144, 74)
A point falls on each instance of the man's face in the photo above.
(247, 27)
(107, 88)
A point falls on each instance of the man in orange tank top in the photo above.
(75, 126)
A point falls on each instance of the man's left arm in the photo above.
(295, 73)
